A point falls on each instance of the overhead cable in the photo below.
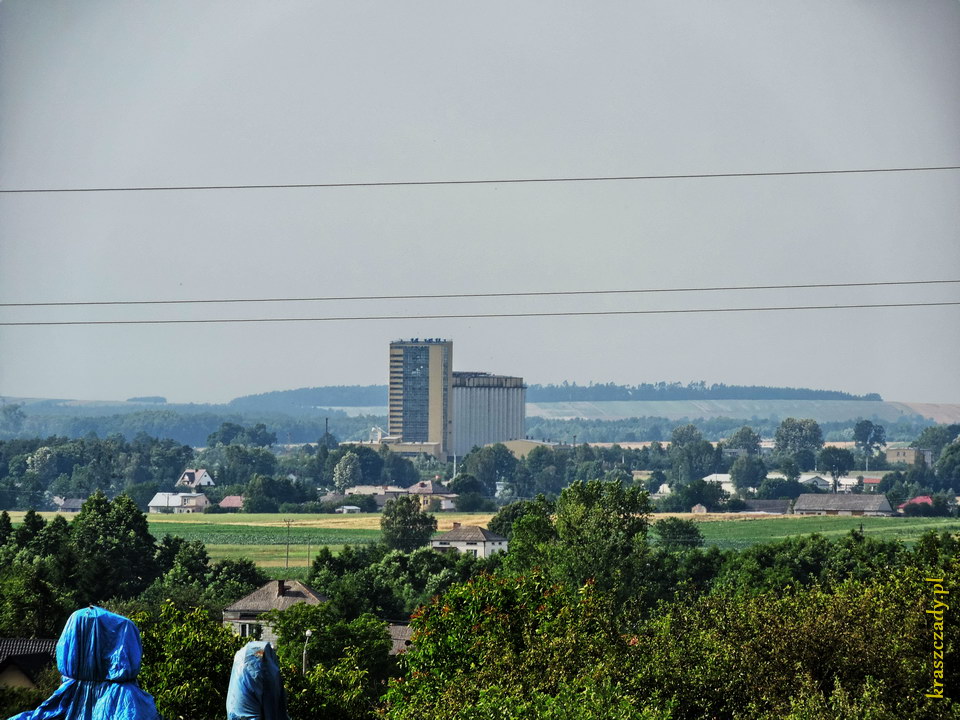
(492, 181)
(449, 296)
(472, 316)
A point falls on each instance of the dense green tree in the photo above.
(330, 639)
(53, 538)
(698, 492)
(187, 659)
(397, 470)
(6, 527)
(747, 472)
(777, 488)
(694, 460)
(868, 438)
(798, 436)
(677, 534)
(114, 548)
(598, 533)
(836, 461)
(12, 418)
(29, 528)
(234, 578)
(937, 437)
(466, 483)
(31, 604)
(744, 439)
(347, 472)
(517, 637)
(948, 467)
(502, 522)
(474, 502)
(685, 435)
(490, 465)
(404, 525)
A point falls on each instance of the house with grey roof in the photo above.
(814, 480)
(771, 507)
(243, 617)
(164, 502)
(194, 478)
(68, 505)
(842, 504)
(469, 539)
(22, 660)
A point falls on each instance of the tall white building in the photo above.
(486, 409)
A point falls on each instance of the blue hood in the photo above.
(98, 655)
(256, 691)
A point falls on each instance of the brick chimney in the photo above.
(281, 588)
(456, 525)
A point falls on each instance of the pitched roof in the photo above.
(401, 637)
(30, 655)
(469, 533)
(71, 504)
(842, 502)
(173, 499)
(918, 500)
(426, 487)
(232, 501)
(768, 506)
(277, 595)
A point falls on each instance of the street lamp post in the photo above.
(306, 639)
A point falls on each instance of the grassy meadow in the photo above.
(263, 538)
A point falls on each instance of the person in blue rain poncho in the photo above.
(256, 691)
(98, 655)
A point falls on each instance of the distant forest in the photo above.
(311, 398)
(571, 392)
(376, 395)
(298, 416)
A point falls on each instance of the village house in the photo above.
(770, 507)
(68, 505)
(243, 617)
(22, 661)
(814, 480)
(194, 479)
(918, 500)
(382, 494)
(430, 493)
(909, 456)
(842, 504)
(723, 480)
(234, 503)
(178, 503)
(470, 540)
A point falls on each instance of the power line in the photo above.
(447, 296)
(473, 316)
(493, 181)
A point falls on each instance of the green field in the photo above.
(263, 538)
(743, 532)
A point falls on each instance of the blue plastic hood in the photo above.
(256, 691)
(98, 655)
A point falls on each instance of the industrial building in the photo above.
(443, 413)
(486, 409)
(421, 394)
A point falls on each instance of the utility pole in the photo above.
(288, 522)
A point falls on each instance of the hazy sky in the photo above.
(131, 94)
